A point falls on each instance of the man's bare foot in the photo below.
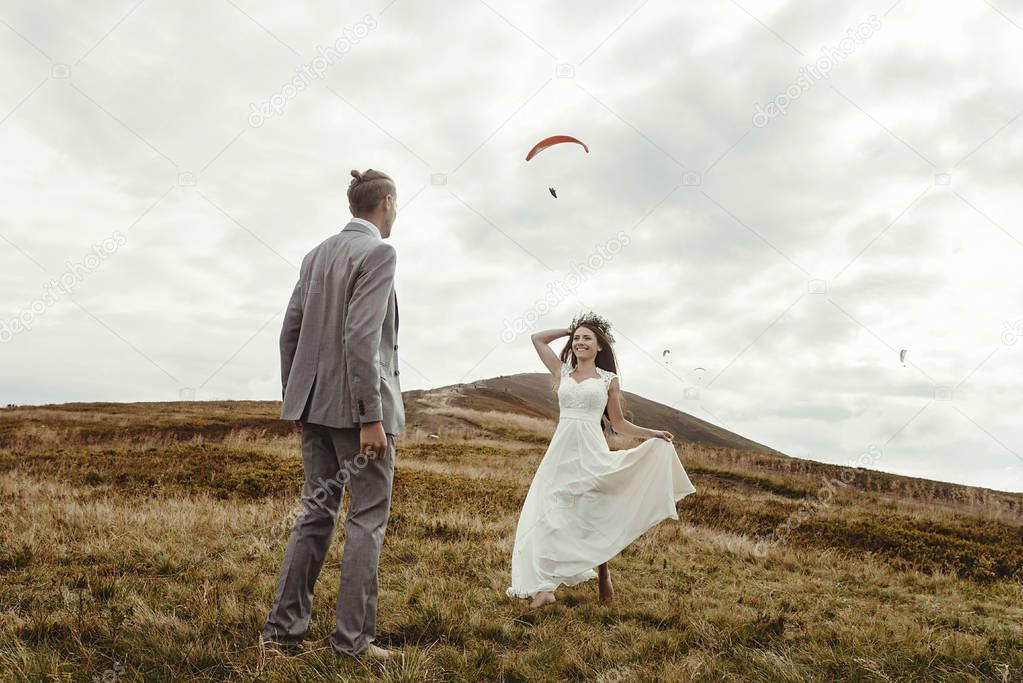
(542, 598)
(607, 591)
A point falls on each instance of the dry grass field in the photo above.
(143, 541)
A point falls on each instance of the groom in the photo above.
(339, 371)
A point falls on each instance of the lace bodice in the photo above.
(584, 399)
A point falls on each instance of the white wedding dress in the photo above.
(587, 502)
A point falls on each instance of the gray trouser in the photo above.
(332, 462)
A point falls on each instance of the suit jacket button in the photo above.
(395, 347)
(396, 373)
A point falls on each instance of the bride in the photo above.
(586, 502)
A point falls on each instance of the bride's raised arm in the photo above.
(541, 342)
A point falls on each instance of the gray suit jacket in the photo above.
(339, 342)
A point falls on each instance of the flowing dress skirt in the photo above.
(587, 503)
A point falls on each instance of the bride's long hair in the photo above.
(605, 360)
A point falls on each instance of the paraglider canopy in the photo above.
(554, 140)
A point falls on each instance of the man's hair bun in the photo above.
(367, 189)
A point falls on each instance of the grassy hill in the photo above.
(530, 394)
(143, 541)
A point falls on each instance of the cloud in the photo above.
(792, 260)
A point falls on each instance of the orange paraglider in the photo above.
(554, 140)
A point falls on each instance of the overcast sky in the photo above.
(785, 194)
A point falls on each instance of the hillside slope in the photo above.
(530, 394)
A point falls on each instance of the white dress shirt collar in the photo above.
(362, 221)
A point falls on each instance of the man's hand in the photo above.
(372, 440)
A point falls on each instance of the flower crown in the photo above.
(591, 319)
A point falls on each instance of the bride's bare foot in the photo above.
(542, 598)
(607, 591)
